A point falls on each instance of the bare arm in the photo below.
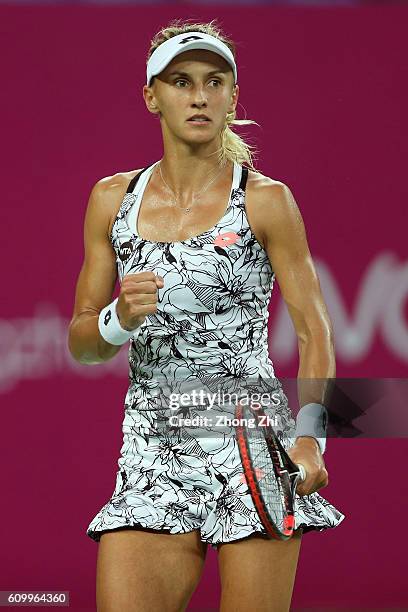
(97, 278)
(289, 254)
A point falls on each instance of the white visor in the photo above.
(168, 50)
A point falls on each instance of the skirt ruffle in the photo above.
(193, 484)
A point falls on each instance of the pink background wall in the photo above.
(328, 87)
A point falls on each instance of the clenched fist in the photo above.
(137, 298)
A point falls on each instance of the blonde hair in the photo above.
(233, 147)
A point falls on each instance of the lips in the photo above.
(199, 118)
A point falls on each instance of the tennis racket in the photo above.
(271, 475)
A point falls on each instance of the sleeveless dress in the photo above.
(210, 325)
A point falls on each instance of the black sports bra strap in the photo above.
(132, 184)
(244, 178)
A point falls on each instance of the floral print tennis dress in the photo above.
(210, 327)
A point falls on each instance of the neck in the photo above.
(187, 169)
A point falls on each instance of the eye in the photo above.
(177, 81)
(216, 81)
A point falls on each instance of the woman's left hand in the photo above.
(306, 451)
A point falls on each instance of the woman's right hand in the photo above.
(137, 298)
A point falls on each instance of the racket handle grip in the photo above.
(302, 472)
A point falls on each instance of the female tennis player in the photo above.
(197, 239)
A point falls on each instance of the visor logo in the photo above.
(188, 38)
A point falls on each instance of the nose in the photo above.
(199, 96)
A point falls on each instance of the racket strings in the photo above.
(269, 479)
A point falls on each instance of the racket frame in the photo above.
(283, 473)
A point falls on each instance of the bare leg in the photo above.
(258, 574)
(145, 571)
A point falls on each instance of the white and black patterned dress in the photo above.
(210, 325)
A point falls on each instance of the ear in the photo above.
(150, 100)
(234, 99)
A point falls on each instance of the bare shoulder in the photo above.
(273, 205)
(107, 195)
(266, 190)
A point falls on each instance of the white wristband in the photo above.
(312, 421)
(110, 328)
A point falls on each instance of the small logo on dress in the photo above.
(226, 239)
(125, 250)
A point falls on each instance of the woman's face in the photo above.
(195, 82)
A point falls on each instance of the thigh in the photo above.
(258, 573)
(147, 571)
